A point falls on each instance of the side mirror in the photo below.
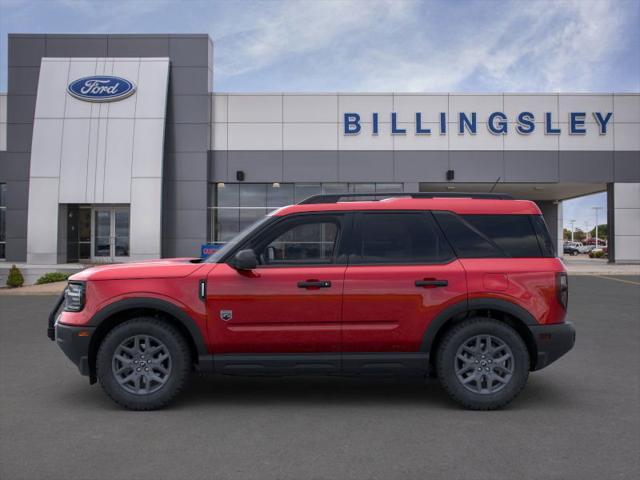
(245, 260)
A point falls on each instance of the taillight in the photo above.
(562, 288)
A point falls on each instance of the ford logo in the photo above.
(102, 88)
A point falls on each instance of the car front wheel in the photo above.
(483, 363)
(143, 363)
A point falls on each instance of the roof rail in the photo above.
(337, 197)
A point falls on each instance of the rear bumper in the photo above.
(552, 342)
(74, 342)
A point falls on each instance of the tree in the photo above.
(15, 278)
(603, 231)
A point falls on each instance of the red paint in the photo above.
(366, 309)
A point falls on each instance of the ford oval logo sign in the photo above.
(101, 88)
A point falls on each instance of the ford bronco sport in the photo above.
(464, 287)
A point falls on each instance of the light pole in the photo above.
(572, 222)
(596, 210)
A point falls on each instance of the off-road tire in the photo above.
(176, 346)
(449, 349)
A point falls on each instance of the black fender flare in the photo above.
(154, 304)
(466, 306)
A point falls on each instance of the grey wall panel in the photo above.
(17, 195)
(626, 166)
(185, 166)
(586, 166)
(309, 166)
(424, 166)
(258, 165)
(138, 46)
(530, 166)
(185, 223)
(187, 137)
(365, 166)
(26, 50)
(188, 80)
(16, 249)
(15, 167)
(185, 195)
(22, 108)
(16, 219)
(182, 247)
(477, 166)
(218, 166)
(189, 50)
(188, 109)
(76, 46)
(19, 137)
(23, 80)
(549, 211)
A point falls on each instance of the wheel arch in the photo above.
(511, 314)
(119, 312)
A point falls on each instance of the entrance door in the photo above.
(110, 233)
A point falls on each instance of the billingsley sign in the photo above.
(101, 88)
(497, 123)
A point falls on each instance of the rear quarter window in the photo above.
(496, 236)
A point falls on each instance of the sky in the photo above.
(376, 45)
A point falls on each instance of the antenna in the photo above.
(494, 185)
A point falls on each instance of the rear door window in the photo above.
(399, 238)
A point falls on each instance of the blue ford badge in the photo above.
(101, 88)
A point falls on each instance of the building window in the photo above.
(234, 206)
(3, 221)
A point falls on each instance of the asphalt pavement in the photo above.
(577, 419)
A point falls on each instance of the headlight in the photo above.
(74, 297)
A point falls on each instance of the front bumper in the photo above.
(74, 342)
(552, 342)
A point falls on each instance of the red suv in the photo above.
(465, 287)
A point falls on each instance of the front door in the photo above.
(292, 302)
(110, 226)
(401, 274)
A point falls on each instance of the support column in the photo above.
(623, 205)
(552, 213)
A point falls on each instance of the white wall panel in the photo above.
(219, 136)
(118, 158)
(148, 147)
(77, 108)
(43, 220)
(3, 108)
(365, 105)
(534, 141)
(365, 140)
(219, 104)
(125, 108)
(310, 108)
(255, 108)
(482, 140)
(411, 141)
(51, 85)
(584, 103)
(536, 104)
(45, 147)
(626, 107)
(310, 136)
(483, 105)
(628, 221)
(146, 215)
(73, 162)
(255, 136)
(430, 106)
(627, 136)
(151, 94)
(592, 140)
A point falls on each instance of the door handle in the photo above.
(431, 283)
(313, 284)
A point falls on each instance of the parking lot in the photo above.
(579, 418)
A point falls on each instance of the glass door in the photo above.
(110, 233)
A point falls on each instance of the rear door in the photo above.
(401, 274)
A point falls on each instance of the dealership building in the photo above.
(118, 148)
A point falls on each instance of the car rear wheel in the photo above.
(143, 363)
(483, 363)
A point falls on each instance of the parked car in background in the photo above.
(572, 248)
(586, 248)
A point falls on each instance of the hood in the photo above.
(164, 268)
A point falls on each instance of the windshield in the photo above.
(239, 238)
